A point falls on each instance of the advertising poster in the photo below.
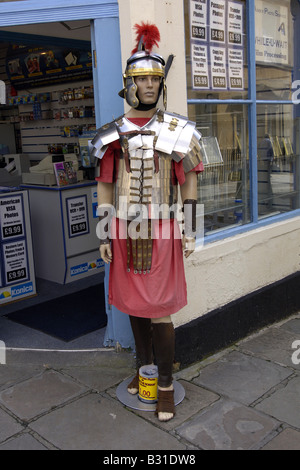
(15, 261)
(77, 216)
(198, 19)
(235, 23)
(218, 67)
(217, 20)
(217, 41)
(200, 66)
(11, 217)
(16, 256)
(235, 69)
(271, 33)
(37, 66)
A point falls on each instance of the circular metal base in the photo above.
(132, 401)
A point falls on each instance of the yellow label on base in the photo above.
(148, 389)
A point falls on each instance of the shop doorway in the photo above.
(49, 111)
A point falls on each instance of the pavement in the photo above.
(246, 397)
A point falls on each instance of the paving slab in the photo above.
(94, 422)
(288, 439)
(284, 404)
(23, 441)
(227, 425)
(293, 326)
(39, 394)
(9, 426)
(12, 374)
(241, 377)
(275, 344)
(98, 378)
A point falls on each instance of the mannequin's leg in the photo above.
(163, 336)
(142, 332)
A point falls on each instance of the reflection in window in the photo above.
(274, 47)
(223, 187)
(277, 160)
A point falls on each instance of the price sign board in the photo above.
(11, 217)
(77, 214)
(15, 261)
(16, 254)
(217, 42)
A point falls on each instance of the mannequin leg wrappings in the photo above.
(163, 337)
(142, 332)
(161, 333)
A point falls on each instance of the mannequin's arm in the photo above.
(189, 191)
(105, 196)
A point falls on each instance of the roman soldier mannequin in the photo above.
(144, 156)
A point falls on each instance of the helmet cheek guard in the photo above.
(130, 92)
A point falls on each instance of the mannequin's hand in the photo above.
(188, 245)
(106, 253)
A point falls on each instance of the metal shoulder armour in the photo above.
(179, 138)
(105, 135)
(193, 156)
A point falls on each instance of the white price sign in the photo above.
(77, 216)
(198, 21)
(200, 66)
(235, 23)
(217, 20)
(15, 261)
(235, 66)
(218, 67)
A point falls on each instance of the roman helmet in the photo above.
(143, 62)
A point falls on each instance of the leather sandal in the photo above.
(134, 384)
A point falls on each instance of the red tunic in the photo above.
(163, 291)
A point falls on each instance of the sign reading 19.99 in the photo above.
(216, 39)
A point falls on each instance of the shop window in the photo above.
(221, 54)
(223, 187)
(277, 122)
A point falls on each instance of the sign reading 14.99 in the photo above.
(11, 217)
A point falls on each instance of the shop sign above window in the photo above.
(271, 33)
(217, 42)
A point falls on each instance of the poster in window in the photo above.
(271, 33)
(235, 18)
(218, 67)
(198, 22)
(217, 21)
(236, 69)
(200, 66)
(217, 41)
